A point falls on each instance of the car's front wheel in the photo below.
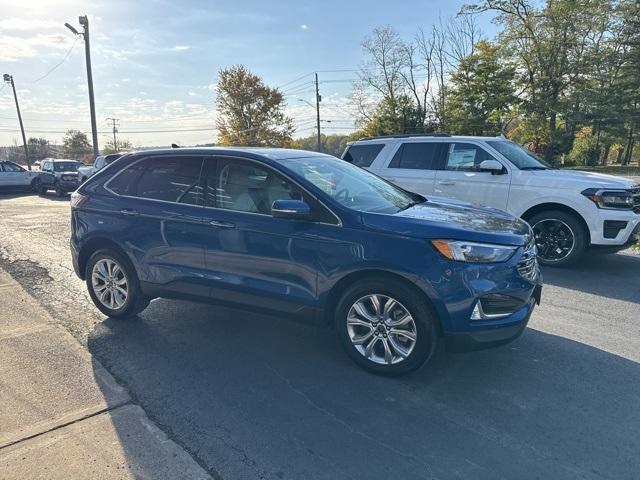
(113, 285)
(560, 238)
(59, 190)
(386, 326)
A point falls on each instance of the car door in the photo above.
(463, 179)
(14, 175)
(46, 175)
(158, 210)
(413, 166)
(252, 257)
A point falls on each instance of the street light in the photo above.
(9, 79)
(84, 21)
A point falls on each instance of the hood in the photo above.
(573, 178)
(441, 219)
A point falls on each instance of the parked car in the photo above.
(59, 175)
(15, 177)
(570, 211)
(101, 161)
(308, 235)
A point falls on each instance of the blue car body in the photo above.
(301, 267)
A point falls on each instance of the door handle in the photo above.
(219, 224)
(129, 212)
(446, 182)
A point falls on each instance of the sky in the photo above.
(155, 63)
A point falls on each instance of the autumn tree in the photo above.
(250, 113)
(121, 146)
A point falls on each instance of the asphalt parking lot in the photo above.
(255, 396)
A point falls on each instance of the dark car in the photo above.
(59, 175)
(306, 235)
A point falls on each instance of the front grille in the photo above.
(528, 263)
(635, 193)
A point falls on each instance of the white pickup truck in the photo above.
(569, 211)
(101, 161)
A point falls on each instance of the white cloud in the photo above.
(304, 26)
(212, 87)
(191, 93)
(27, 24)
(13, 48)
(181, 48)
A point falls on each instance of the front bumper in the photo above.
(69, 185)
(624, 237)
(489, 336)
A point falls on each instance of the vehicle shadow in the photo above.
(253, 396)
(7, 194)
(618, 276)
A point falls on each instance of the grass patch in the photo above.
(633, 170)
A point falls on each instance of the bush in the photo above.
(585, 149)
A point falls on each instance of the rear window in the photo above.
(418, 156)
(172, 179)
(362, 155)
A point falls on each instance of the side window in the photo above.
(417, 156)
(1, 166)
(11, 167)
(362, 155)
(99, 163)
(465, 157)
(250, 187)
(172, 179)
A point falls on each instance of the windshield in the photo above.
(352, 186)
(66, 166)
(519, 156)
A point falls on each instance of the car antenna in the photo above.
(175, 145)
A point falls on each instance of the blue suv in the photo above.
(308, 235)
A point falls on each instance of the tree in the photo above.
(249, 112)
(481, 93)
(75, 145)
(121, 146)
(331, 144)
(38, 148)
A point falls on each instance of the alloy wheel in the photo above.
(381, 329)
(554, 239)
(110, 283)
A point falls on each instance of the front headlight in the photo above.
(610, 199)
(473, 252)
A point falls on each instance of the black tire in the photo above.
(59, 191)
(42, 189)
(135, 301)
(547, 249)
(424, 320)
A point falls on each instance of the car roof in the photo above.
(268, 152)
(422, 138)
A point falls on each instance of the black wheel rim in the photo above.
(554, 239)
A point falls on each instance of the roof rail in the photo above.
(408, 135)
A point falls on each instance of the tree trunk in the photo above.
(629, 149)
(548, 154)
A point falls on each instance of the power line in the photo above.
(58, 64)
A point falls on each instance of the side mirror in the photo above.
(493, 166)
(295, 209)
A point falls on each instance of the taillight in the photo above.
(77, 199)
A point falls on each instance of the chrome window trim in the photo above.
(204, 158)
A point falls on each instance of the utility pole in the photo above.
(115, 124)
(318, 100)
(9, 79)
(84, 21)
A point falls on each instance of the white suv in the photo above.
(569, 211)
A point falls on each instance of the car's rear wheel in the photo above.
(113, 284)
(560, 238)
(386, 326)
